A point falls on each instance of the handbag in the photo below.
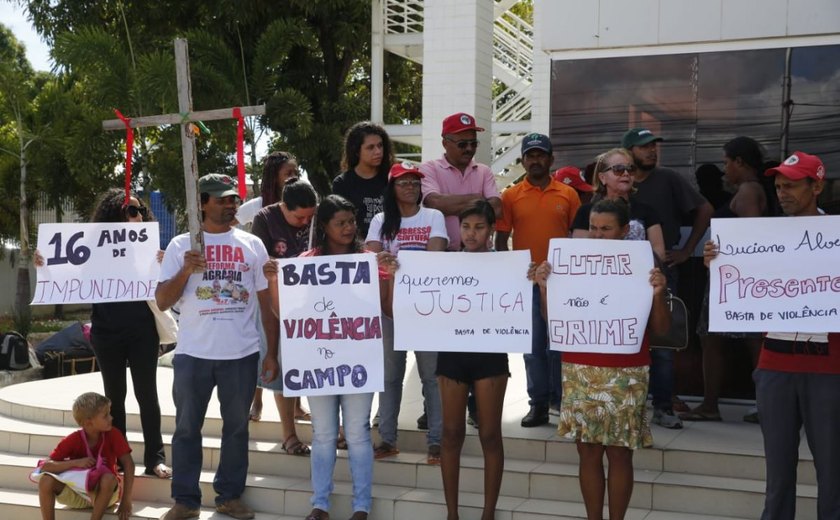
(676, 338)
(167, 327)
(81, 480)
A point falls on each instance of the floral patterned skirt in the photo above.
(605, 405)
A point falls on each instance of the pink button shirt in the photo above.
(444, 179)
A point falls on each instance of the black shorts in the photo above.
(466, 367)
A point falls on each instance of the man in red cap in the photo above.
(797, 380)
(573, 177)
(456, 181)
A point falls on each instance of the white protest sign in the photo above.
(95, 263)
(775, 275)
(599, 294)
(463, 302)
(330, 325)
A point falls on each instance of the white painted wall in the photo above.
(457, 69)
(567, 26)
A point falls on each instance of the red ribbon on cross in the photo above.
(129, 153)
(240, 151)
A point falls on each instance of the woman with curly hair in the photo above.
(125, 333)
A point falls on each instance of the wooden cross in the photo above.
(184, 118)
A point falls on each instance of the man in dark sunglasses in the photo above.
(456, 181)
(674, 200)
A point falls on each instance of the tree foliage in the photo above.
(307, 60)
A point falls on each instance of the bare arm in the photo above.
(169, 291)
(437, 244)
(374, 246)
(657, 240)
(702, 217)
(502, 238)
(496, 203)
(454, 204)
(124, 510)
(271, 326)
(660, 317)
(60, 466)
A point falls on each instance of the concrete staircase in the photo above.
(707, 470)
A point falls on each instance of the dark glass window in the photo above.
(697, 102)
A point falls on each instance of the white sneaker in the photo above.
(667, 419)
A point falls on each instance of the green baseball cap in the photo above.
(638, 137)
(217, 185)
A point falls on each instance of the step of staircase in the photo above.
(706, 470)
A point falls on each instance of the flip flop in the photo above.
(698, 416)
(433, 455)
(160, 471)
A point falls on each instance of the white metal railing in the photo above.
(403, 16)
(513, 44)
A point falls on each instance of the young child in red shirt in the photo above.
(97, 445)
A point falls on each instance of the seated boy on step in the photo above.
(96, 447)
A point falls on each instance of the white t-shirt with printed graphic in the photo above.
(414, 232)
(219, 306)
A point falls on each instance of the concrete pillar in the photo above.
(541, 77)
(457, 69)
(377, 63)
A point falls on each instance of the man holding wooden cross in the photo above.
(218, 346)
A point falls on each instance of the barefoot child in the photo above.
(97, 446)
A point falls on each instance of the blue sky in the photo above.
(37, 51)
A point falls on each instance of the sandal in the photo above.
(433, 456)
(296, 447)
(341, 443)
(317, 514)
(698, 415)
(385, 450)
(161, 470)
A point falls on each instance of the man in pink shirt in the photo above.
(456, 181)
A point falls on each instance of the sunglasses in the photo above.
(405, 183)
(464, 143)
(620, 169)
(133, 211)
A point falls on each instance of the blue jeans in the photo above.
(355, 415)
(195, 378)
(542, 365)
(662, 360)
(390, 399)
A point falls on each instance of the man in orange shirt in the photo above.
(536, 210)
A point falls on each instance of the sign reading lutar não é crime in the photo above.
(599, 294)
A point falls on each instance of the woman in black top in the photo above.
(613, 179)
(125, 332)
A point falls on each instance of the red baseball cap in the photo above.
(799, 166)
(458, 123)
(404, 168)
(572, 176)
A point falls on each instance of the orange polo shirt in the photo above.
(536, 216)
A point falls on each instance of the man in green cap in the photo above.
(674, 200)
(218, 345)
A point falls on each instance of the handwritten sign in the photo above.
(463, 302)
(599, 294)
(775, 275)
(95, 263)
(330, 325)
